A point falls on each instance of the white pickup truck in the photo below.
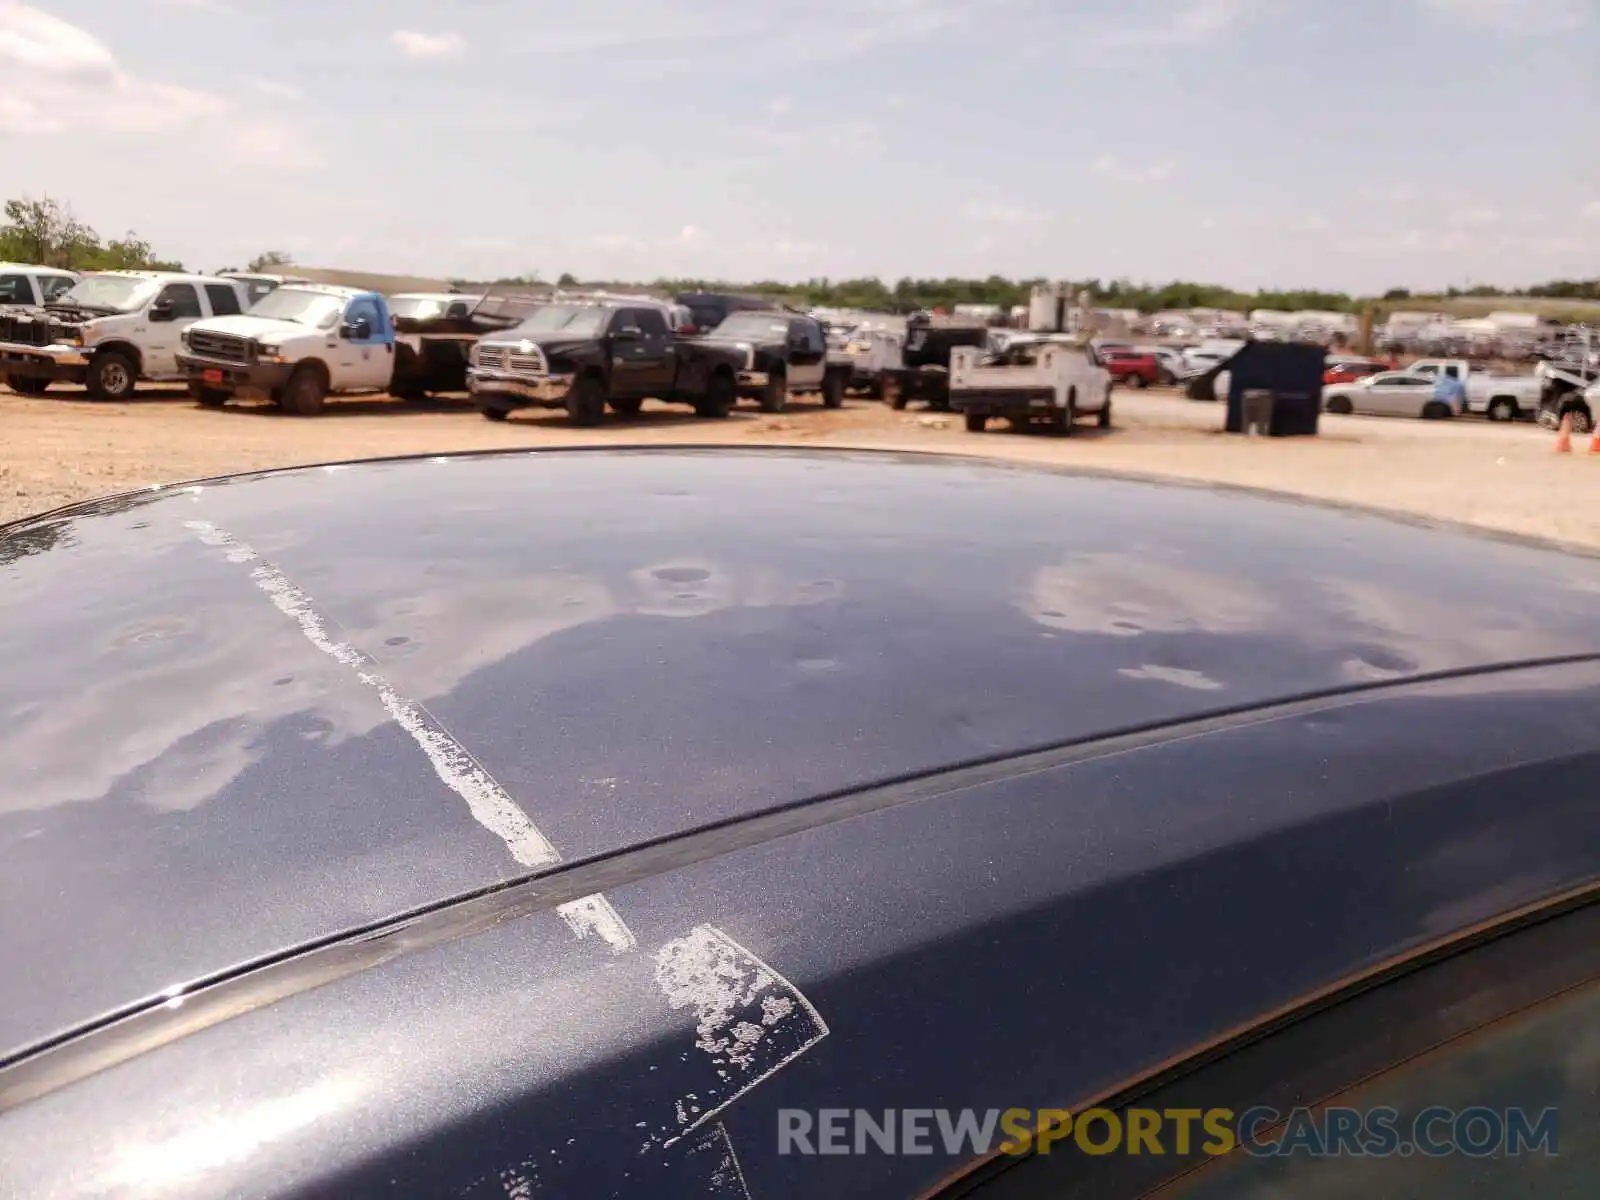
(1499, 397)
(1031, 379)
(299, 344)
(33, 286)
(110, 330)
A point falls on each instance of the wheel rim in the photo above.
(114, 378)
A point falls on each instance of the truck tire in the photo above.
(208, 397)
(833, 390)
(977, 422)
(720, 397)
(1104, 420)
(775, 396)
(28, 385)
(112, 376)
(493, 412)
(304, 393)
(1338, 405)
(629, 407)
(893, 392)
(1063, 419)
(1137, 382)
(586, 402)
(1503, 408)
(1436, 410)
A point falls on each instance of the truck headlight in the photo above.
(269, 352)
(69, 337)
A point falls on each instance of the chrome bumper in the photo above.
(552, 389)
(19, 354)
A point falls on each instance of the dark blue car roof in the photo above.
(663, 719)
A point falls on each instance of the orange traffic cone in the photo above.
(1594, 441)
(1564, 438)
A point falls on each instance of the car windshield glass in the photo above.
(417, 308)
(570, 320)
(302, 307)
(110, 293)
(748, 325)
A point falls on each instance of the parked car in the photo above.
(1133, 368)
(33, 287)
(923, 372)
(574, 824)
(299, 345)
(1499, 396)
(1389, 394)
(1032, 380)
(258, 286)
(1348, 370)
(590, 357)
(710, 309)
(782, 354)
(112, 329)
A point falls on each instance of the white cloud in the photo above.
(63, 79)
(269, 144)
(1592, 210)
(1000, 213)
(428, 45)
(1195, 22)
(1530, 17)
(1473, 218)
(272, 87)
(1111, 167)
(781, 106)
(691, 235)
(1312, 223)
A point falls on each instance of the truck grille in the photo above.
(25, 331)
(503, 360)
(492, 358)
(222, 346)
(526, 364)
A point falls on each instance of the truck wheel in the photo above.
(629, 407)
(112, 376)
(1504, 409)
(1104, 421)
(1339, 405)
(493, 412)
(1435, 410)
(719, 399)
(894, 393)
(976, 422)
(1063, 419)
(28, 385)
(833, 390)
(775, 396)
(304, 393)
(208, 397)
(586, 402)
(1138, 382)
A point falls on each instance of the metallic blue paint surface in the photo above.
(638, 645)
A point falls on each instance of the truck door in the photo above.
(658, 353)
(366, 346)
(632, 367)
(160, 348)
(808, 354)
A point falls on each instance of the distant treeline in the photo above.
(910, 295)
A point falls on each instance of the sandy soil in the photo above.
(63, 447)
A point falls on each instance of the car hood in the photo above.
(260, 328)
(246, 715)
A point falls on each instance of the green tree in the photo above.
(267, 260)
(48, 232)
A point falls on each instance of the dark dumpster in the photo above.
(1290, 372)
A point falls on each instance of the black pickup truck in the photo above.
(924, 370)
(590, 357)
(781, 354)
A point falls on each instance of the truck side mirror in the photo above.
(161, 310)
(356, 330)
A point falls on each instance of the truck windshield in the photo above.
(425, 308)
(110, 293)
(571, 320)
(300, 306)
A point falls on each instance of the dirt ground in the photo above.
(64, 447)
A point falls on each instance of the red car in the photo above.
(1132, 368)
(1348, 370)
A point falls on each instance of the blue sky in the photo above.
(1348, 144)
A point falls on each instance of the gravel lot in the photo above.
(64, 447)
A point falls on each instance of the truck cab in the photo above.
(112, 329)
(297, 346)
(32, 286)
